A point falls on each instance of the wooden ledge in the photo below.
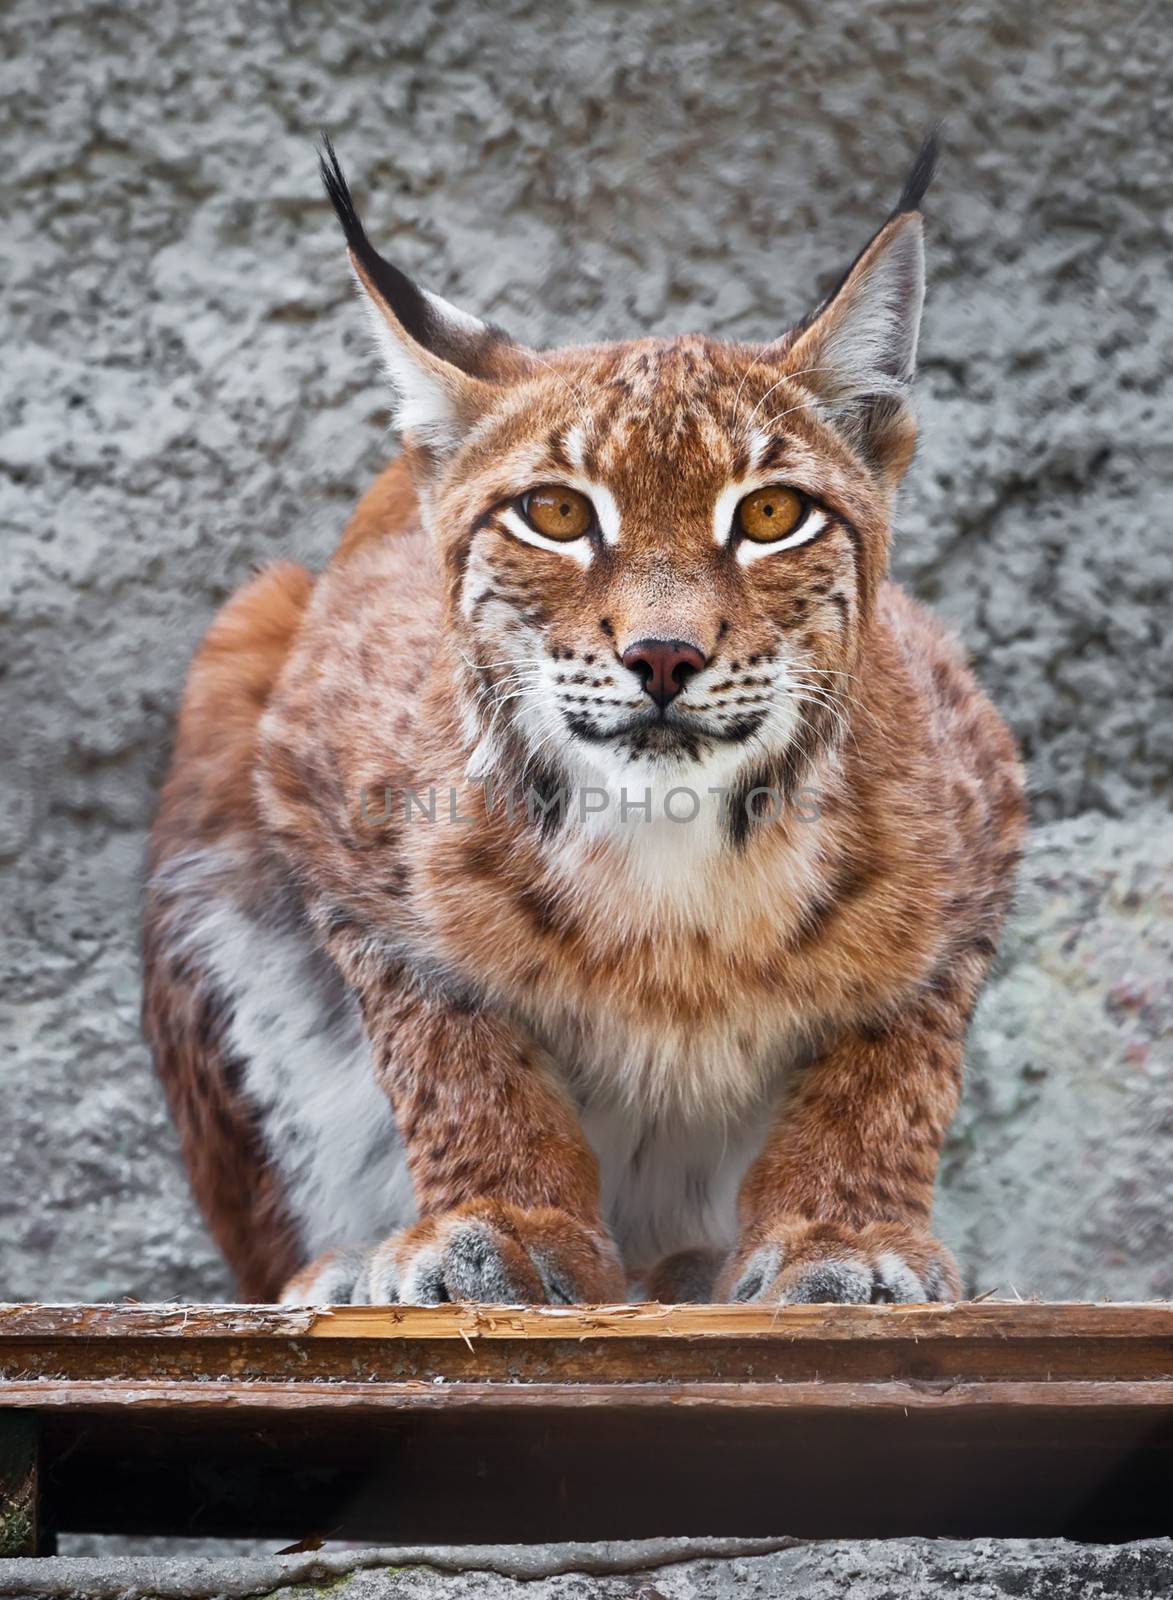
(1002, 1319)
(463, 1423)
(988, 1342)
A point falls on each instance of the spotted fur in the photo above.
(530, 1032)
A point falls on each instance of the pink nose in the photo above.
(663, 666)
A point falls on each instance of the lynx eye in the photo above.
(558, 513)
(769, 514)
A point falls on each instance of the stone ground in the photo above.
(699, 1569)
(186, 392)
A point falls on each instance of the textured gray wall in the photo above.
(186, 392)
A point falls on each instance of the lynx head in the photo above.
(660, 555)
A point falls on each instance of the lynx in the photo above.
(580, 888)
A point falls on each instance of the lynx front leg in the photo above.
(838, 1205)
(506, 1184)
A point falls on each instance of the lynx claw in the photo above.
(482, 1253)
(824, 1263)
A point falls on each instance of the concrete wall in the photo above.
(185, 391)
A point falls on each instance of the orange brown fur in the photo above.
(797, 986)
(208, 797)
(389, 506)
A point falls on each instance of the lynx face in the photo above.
(661, 554)
(667, 577)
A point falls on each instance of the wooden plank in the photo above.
(19, 1501)
(642, 1344)
(1119, 1320)
(261, 1398)
(459, 1424)
(1004, 1320)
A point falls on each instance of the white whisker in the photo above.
(786, 376)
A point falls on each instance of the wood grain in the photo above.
(618, 1344)
(966, 1320)
(303, 1398)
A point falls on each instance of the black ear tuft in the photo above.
(920, 174)
(402, 297)
(338, 190)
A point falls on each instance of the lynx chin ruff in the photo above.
(659, 981)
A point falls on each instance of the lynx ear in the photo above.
(441, 362)
(857, 352)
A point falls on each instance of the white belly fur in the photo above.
(668, 1188)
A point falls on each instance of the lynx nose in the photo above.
(663, 666)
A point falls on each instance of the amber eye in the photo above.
(770, 514)
(559, 513)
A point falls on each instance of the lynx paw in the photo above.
(794, 1262)
(686, 1278)
(484, 1252)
